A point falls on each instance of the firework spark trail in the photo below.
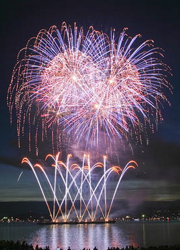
(79, 185)
(19, 176)
(83, 84)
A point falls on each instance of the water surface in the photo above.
(102, 236)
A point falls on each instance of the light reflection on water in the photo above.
(80, 236)
(102, 236)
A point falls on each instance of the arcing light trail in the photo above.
(86, 86)
(20, 176)
(80, 193)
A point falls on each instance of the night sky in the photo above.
(158, 175)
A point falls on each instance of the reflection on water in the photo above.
(80, 236)
(100, 235)
(144, 234)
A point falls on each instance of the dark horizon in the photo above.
(24, 209)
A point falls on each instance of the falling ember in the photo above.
(83, 85)
(82, 197)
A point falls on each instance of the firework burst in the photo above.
(86, 85)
